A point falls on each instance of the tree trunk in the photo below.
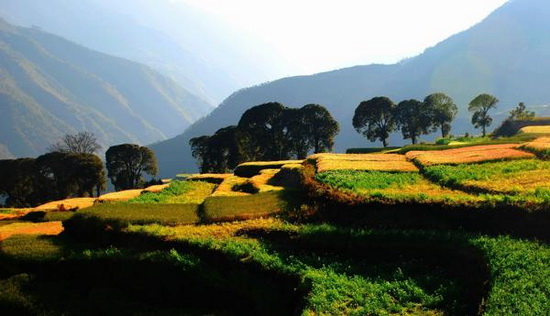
(385, 142)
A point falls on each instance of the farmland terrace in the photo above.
(429, 230)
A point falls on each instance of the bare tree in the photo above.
(79, 143)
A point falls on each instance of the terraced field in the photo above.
(459, 231)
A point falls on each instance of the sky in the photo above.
(321, 35)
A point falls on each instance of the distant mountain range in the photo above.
(204, 55)
(50, 87)
(507, 55)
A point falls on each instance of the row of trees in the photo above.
(52, 176)
(269, 131)
(72, 169)
(380, 116)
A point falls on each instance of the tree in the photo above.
(520, 113)
(88, 174)
(414, 118)
(79, 143)
(220, 152)
(126, 164)
(375, 119)
(200, 151)
(18, 182)
(444, 111)
(62, 175)
(264, 126)
(481, 105)
(320, 128)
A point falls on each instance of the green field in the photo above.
(460, 239)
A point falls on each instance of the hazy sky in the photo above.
(319, 35)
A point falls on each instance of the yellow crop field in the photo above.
(541, 129)
(120, 196)
(67, 204)
(363, 162)
(48, 228)
(156, 188)
(526, 182)
(212, 231)
(260, 183)
(216, 178)
(226, 187)
(471, 154)
(539, 146)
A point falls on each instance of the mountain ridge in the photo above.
(506, 54)
(51, 87)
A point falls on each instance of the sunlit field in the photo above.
(465, 155)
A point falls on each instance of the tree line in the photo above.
(267, 132)
(72, 169)
(272, 131)
(378, 117)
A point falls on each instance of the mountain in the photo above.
(507, 55)
(50, 87)
(201, 53)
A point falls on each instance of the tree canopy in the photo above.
(414, 118)
(480, 107)
(520, 113)
(127, 163)
(375, 119)
(52, 176)
(79, 143)
(443, 109)
(269, 131)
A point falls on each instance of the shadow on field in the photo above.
(419, 254)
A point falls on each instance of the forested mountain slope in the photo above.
(50, 87)
(507, 55)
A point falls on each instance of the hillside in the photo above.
(177, 39)
(440, 230)
(50, 87)
(505, 55)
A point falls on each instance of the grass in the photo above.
(67, 204)
(539, 146)
(120, 196)
(250, 169)
(371, 150)
(516, 177)
(259, 183)
(519, 276)
(464, 155)
(226, 188)
(363, 162)
(144, 213)
(231, 207)
(391, 187)
(48, 228)
(209, 177)
(178, 192)
(540, 129)
(340, 269)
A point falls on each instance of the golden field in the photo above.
(466, 155)
(541, 129)
(363, 162)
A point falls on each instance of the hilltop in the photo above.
(506, 55)
(51, 87)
